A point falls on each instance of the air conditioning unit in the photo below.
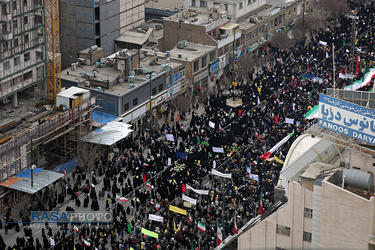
(73, 66)
(167, 54)
(184, 43)
(131, 79)
(145, 70)
(132, 73)
(180, 45)
(123, 52)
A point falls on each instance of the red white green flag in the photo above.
(87, 243)
(274, 148)
(235, 230)
(189, 217)
(261, 203)
(201, 227)
(149, 185)
(219, 234)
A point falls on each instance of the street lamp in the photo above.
(149, 76)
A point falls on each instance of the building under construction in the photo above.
(44, 138)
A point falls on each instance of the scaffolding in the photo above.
(46, 145)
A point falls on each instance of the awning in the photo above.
(229, 26)
(101, 118)
(109, 134)
(22, 180)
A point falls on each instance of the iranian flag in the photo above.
(201, 227)
(189, 217)
(255, 162)
(87, 243)
(278, 101)
(274, 117)
(64, 171)
(75, 228)
(118, 196)
(260, 203)
(219, 234)
(274, 148)
(149, 185)
(235, 230)
(146, 164)
(123, 199)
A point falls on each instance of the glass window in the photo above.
(3, 9)
(204, 61)
(16, 42)
(193, 3)
(261, 30)
(25, 20)
(161, 87)
(255, 33)
(26, 57)
(181, 73)
(14, 5)
(282, 230)
(24, 3)
(6, 65)
(203, 3)
(306, 236)
(196, 65)
(154, 91)
(15, 24)
(212, 56)
(135, 102)
(27, 75)
(248, 36)
(248, 2)
(240, 6)
(5, 46)
(26, 38)
(126, 106)
(17, 61)
(308, 213)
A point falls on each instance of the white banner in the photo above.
(214, 164)
(323, 43)
(169, 137)
(254, 177)
(211, 124)
(169, 161)
(188, 199)
(217, 150)
(215, 172)
(155, 217)
(198, 191)
(346, 76)
(289, 120)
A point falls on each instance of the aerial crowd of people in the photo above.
(155, 173)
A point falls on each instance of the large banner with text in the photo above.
(347, 118)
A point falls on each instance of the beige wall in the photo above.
(347, 219)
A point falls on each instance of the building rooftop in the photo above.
(191, 52)
(164, 4)
(134, 37)
(256, 16)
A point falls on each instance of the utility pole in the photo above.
(303, 14)
(333, 63)
(234, 49)
(149, 76)
(354, 18)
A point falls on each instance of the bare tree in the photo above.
(281, 41)
(182, 103)
(88, 153)
(333, 9)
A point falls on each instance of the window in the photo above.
(25, 20)
(196, 65)
(226, 6)
(6, 65)
(15, 24)
(3, 9)
(212, 56)
(204, 61)
(17, 80)
(17, 61)
(294, 10)
(181, 73)
(27, 75)
(216, 3)
(255, 33)
(282, 230)
(261, 30)
(306, 236)
(37, 19)
(14, 5)
(27, 57)
(193, 3)
(254, 1)
(240, 6)
(308, 213)
(16, 42)
(24, 3)
(26, 40)
(126, 106)
(154, 91)
(135, 102)
(161, 87)
(40, 72)
(4, 28)
(248, 36)
(248, 2)
(5, 46)
(203, 3)
(39, 55)
(290, 12)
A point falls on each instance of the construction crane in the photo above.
(53, 49)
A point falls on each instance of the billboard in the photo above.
(347, 118)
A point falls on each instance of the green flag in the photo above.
(367, 69)
(206, 143)
(343, 43)
(192, 245)
(199, 141)
(129, 228)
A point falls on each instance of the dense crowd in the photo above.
(269, 97)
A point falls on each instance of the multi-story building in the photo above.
(96, 22)
(22, 46)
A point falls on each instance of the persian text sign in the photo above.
(347, 118)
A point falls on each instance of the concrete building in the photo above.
(328, 181)
(96, 22)
(22, 47)
(237, 9)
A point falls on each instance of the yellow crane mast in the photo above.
(53, 48)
